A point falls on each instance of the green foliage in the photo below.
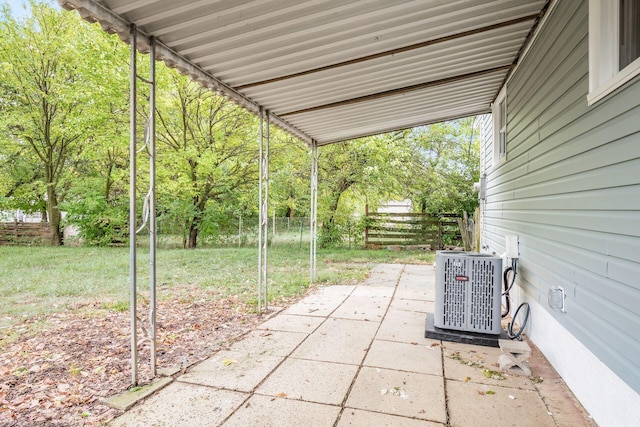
(434, 166)
(56, 100)
(175, 216)
(331, 235)
(447, 163)
(354, 173)
(100, 222)
(289, 176)
(205, 153)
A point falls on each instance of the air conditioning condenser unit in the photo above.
(468, 292)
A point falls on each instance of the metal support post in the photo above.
(152, 204)
(263, 195)
(260, 196)
(265, 208)
(132, 206)
(313, 228)
(149, 211)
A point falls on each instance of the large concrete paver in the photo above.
(310, 380)
(384, 275)
(403, 326)
(181, 404)
(373, 291)
(393, 392)
(269, 343)
(416, 283)
(363, 308)
(414, 293)
(267, 411)
(338, 340)
(292, 323)
(321, 303)
(359, 418)
(232, 370)
(421, 306)
(417, 274)
(478, 364)
(421, 358)
(472, 404)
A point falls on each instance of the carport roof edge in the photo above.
(370, 61)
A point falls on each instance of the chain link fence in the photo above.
(243, 232)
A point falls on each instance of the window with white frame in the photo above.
(499, 113)
(614, 45)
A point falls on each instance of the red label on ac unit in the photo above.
(462, 278)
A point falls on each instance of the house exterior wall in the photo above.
(570, 189)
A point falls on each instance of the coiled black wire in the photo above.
(518, 335)
(508, 284)
(507, 289)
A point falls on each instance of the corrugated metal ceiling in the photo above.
(332, 70)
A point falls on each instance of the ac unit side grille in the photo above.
(468, 292)
(454, 293)
(482, 293)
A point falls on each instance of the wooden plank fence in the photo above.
(24, 233)
(411, 228)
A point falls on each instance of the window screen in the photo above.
(629, 32)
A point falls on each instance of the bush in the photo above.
(99, 223)
(331, 235)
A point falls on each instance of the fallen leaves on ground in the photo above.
(58, 375)
(493, 374)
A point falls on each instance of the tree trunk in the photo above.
(333, 207)
(193, 235)
(43, 213)
(199, 203)
(54, 216)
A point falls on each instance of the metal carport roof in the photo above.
(324, 70)
(333, 70)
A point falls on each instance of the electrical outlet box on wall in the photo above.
(512, 248)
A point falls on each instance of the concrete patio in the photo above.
(357, 356)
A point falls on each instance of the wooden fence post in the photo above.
(476, 229)
(463, 224)
(366, 228)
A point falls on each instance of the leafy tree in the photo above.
(435, 166)
(52, 67)
(370, 169)
(448, 163)
(21, 183)
(289, 176)
(98, 201)
(211, 155)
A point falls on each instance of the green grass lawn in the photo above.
(40, 280)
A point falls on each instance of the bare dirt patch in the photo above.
(57, 375)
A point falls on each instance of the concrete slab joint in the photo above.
(514, 357)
